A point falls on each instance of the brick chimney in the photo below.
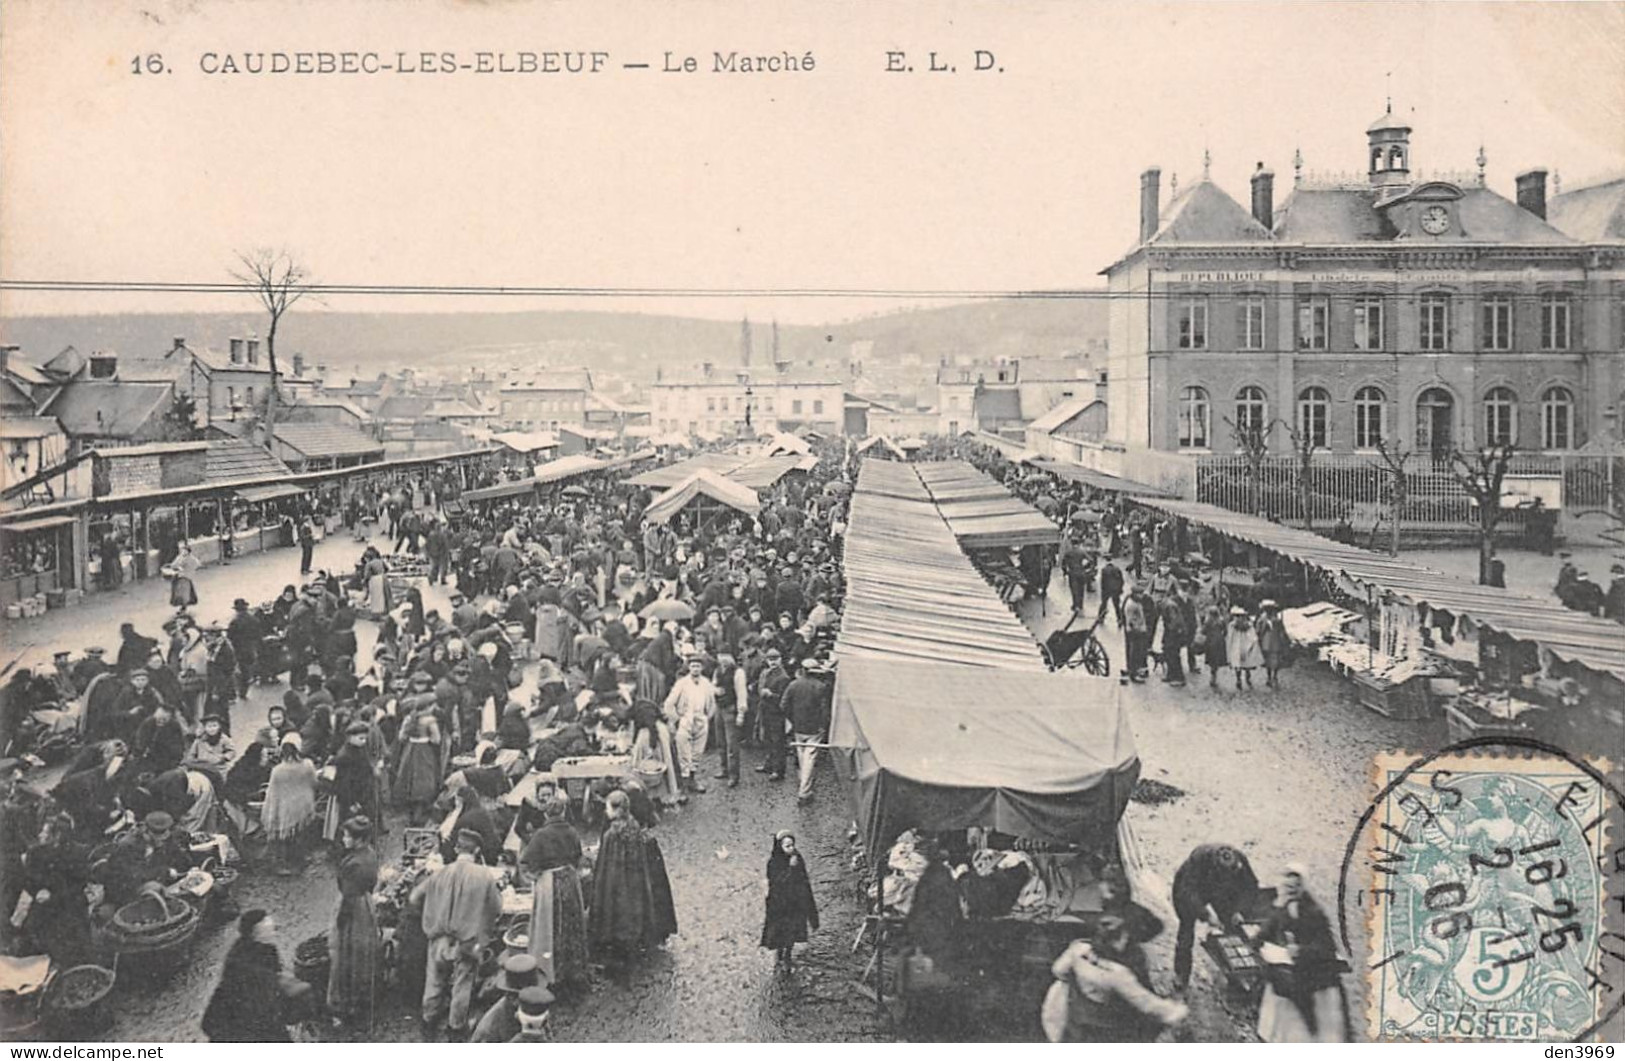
(1264, 197)
(1150, 207)
(705, 370)
(298, 365)
(180, 343)
(1532, 192)
(5, 358)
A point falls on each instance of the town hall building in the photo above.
(1435, 313)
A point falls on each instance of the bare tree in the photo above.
(1253, 441)
(1394, 458)
(1303, 449)
(1481, 475)
(278, 281)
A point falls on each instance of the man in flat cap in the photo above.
(460, 907)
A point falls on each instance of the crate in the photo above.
(1406, 701)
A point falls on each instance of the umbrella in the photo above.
(576, 491)
(837, 489)
(668, 609)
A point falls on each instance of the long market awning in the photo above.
(703, 484)
(1077, 473)
(1570, 635)
(941, 747)
(911, 591)
(981, 512)
(567, 467)
(267, 493)
(669, 475)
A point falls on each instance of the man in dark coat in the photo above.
(1111, 590)
(245, 632)
(134, 649)
(1214, 877)
(770, 689)
(247, 1006)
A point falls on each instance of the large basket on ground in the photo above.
(77, 1000)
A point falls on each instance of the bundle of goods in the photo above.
(153, 924)
(395, 884)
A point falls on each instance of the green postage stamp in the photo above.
(1488, 894)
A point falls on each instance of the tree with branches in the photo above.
(278, 281)
(1398, 486)
(1482, 476)
(1303, 452)
(1253, 442)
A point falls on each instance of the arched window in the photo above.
(1193, 418)
(1370, 416)
(1396, 157)
(1314, 416)
(1500, 416)
(1252, 410)
(1376, 159)
(1557, 418)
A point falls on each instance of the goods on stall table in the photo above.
(1236, 958)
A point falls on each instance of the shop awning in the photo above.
(500, 491)
(267, 493)
(1570, 635)
(980, 511)
(940, 747)
(43, 523)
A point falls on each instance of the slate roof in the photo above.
(1203, 213)
(1329, 215)
(106, 409)
(998, 403)
(402, 407)
(67, 362)
(552, 379)
(230, 458)
(1594, 214)
(1060, 414)
(216, 361)
(326, 440)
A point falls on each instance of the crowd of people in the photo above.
(577, 631)
(651, 643)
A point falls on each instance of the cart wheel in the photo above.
(1095, 658)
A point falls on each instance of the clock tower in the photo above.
(1389, 151)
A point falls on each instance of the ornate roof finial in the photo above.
(1173, 185)
(1557, 183)
(1207, 162)
(1482, 161)
(1297, 165)
(1388, 90)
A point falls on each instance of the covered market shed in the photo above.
(709, 490)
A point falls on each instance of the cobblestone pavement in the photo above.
(1282, 774)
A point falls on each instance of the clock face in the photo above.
(1435, 219)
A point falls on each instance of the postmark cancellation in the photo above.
(1487, 895)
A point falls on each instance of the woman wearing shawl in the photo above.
(417, 779)
(656, 666)
(182, 592)
(558, 918)
(791, 910)
(247, 1005)
(1303, 998)
(355, 784)
(290, 804)
(631, 910)
(354, 944)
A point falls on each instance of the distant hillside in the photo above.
(364, 344)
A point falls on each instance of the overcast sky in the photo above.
(847, 177)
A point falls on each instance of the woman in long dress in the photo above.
(558, 917)
(791, 910)
(417, 781)
(353, 942)
(290, 805)
(627, 914)
(1303, 1000)
(652, 760)
(182, 591)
